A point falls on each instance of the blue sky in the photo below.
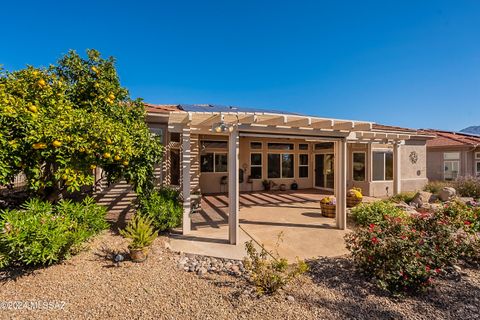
(407, 63)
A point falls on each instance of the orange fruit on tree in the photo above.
(56, 143)
(111, 96)
(125, 163)
(42, 83)
(117, 158)
(109, 141)
(33, 109)
(93, 166)
(106, 155)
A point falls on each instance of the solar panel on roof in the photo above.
(221, 108)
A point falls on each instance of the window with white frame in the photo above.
(214, 162)
(256, 145)
(477, 164)
(303, 165)
(280, 165)
(256, 166)
(451, 165)
(382, 166)
(359, 166)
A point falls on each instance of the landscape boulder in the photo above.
(421, 198)
(447, 194)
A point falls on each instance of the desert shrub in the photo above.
(406, 197)
(41, 234)
(269, 272)
(435, 186)
(468, 187)
(163, 207)
(376, 212)
(404, 255)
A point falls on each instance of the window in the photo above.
(303, 165)
(451, 165)
(221, 162)
(280, 146)
(157, 132)
(477, 155)
(359, 165)
(280, 165)
(256, 166)
(214, 144)
(213, 162)
(382, 165)
(175, 137)
(303, 146)
(255, 145)
(477, 168)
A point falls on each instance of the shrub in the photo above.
(42, 234)
(140, 231)
(163, 208)
(468, 187)
(406, 197)
(435, 186)
(375, 212)
(268, 271)
(405, 254)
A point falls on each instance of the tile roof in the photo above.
(451, 139)
(377, 126)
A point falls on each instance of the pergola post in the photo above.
(341, 183)
(397, 177)
(186, 224)
(233, 192)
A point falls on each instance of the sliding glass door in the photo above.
(324, 172)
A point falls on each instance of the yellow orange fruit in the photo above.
(106, 155)
(39, 145)
(93, 166)
(94, 69)
(125, 163)
(33, 109)
(82, 149)
(56, 143)
(42, 83)
(109, 141)
(117, 158)
(111, 96)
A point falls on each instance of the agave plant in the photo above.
(140, 231)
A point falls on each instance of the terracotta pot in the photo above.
(328, 210)
(139, 255)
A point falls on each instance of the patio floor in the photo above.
(263, 217)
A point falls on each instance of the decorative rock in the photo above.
(406, 207)
(202, 271)
(421, 198)
(290, 298)
(447, 194)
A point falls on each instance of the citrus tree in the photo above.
(58, 124)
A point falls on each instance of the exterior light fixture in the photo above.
(222, 127)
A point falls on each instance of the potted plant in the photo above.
(267, 184)
(141, 233)
(328, 206)
(354, 197)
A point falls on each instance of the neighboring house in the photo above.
(230, 149)
(452, 154)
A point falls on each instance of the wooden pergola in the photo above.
(236, 124)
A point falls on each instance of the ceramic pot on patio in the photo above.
(328, 210)
(139, 255)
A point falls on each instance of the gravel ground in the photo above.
(92, 288)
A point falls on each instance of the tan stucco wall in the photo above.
(435, 161)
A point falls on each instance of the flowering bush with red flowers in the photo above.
(405, 255)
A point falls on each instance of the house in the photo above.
(452, 154)
(221, 149)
